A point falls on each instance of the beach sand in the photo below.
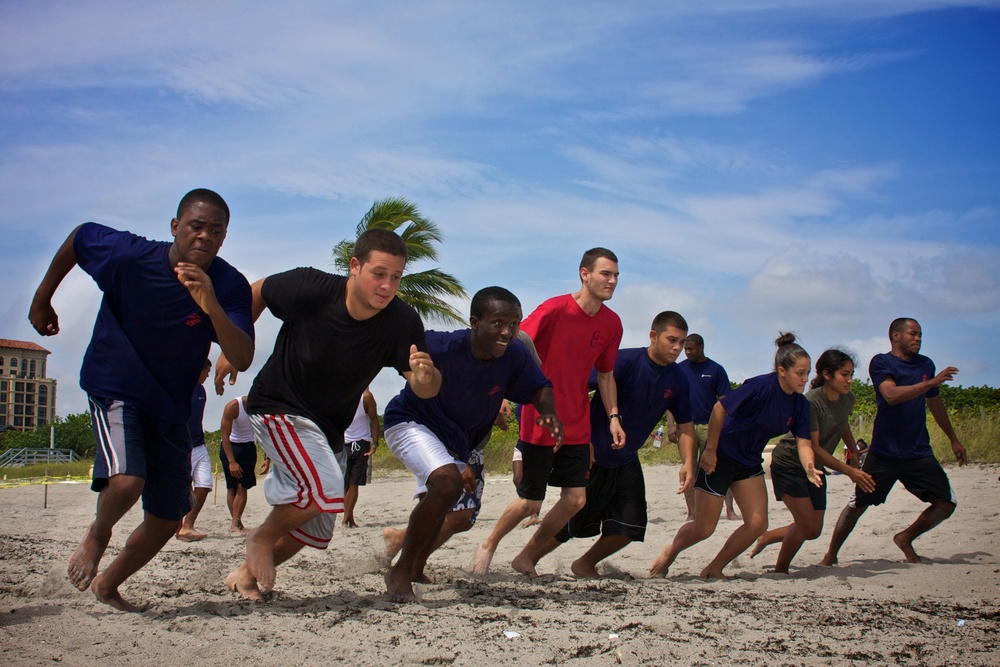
(330, 607)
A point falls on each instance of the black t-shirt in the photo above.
(323, 358)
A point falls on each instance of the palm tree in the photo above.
(424, 289)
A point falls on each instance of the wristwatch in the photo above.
(615, 415)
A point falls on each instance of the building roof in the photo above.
(22, 345)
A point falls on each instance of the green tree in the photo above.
(424, 290)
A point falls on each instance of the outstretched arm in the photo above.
(224, 369)
(609, 395)
(230, 413)
(895, 394)
(423, 376)
(940, 414)
(709, 457)
(42, 315)
(688, 444)
(545, 403)
(371, 409)
(235, 343)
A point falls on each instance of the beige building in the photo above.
(27, 397)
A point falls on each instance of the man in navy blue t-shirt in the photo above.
(164, 304)
(434, 437)
(905, 387)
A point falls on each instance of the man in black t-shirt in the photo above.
(337, 334)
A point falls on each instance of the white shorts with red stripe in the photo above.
(304, 471)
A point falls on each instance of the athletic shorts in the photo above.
(793, 482)
(131, 442)
(726, 472)
(357, 462)
(470, 500)
(304, 471)
(923, 477)
(567, 468)
(201, 467)
(245, 454)
(616, 505)
(419, 450)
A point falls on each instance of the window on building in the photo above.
(24, 367)
(1, 361)
(18, 386)
(43, 395)
(18, 421)
(3, 420)
(29, 422)
(18, 409)
(31, 369)
(13, 362)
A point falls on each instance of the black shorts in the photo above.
(616, 505)
(357, 462)
(567, 468)
(726, 472)
(923, 477)
(793, 482)
(245, 454)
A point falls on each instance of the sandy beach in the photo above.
(330, 607)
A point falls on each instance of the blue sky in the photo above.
(757, 165)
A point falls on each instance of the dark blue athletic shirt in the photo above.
(463, 412)
(151, 339)
(645, 391)
(756, 412)
(900, 431)
(708, 381)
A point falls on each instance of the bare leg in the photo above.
(239, 504)
(518, 509)
(689, 500)
(140, 547)
(846, 522)
(571, 500)
(262, 541)
(444, 488)
(113, 502)
(350, 500)
(938, 511)
(187, 533)
(731, 514)
(393, 538)
(807, 525)
(706, 517)
(586, 565)
(454, 522)
(751, 497)
(241, 581)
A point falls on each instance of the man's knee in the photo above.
(944, 508)
(126, 486)
(446, 482)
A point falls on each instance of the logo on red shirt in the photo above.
(194, 319)
(597, 340)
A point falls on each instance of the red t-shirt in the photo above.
(570, 343)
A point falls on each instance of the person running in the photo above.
(480, 367)
(238, 456)
(337, 333)
(649, 383)
(360, 440)
(709, 382)
(163, 306)
(764, 407)
(573, 334)
(906, 386)
(201, 461)
(830, 405)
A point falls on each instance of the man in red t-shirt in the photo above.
(573, 334)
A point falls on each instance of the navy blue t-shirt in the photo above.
(645, 391)
(463, 412)
(756, 412)
(151, 339)
(900, 431)
(708, 381)
(195, 427)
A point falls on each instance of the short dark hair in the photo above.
(590, 257)
(488, 295)
(788, 351)
(899, 324)
(830, 362)
(202, 195)
(380, 240)
(669, 318)
(696, 339)
(208, 364)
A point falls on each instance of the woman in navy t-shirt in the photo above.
(741, 424)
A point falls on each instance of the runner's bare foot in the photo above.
(190, 535)
(906, 546)
(828, 561)
(661, 566)
(732, 516)
(398, 586)
(484, 556)
(242, 582)
(713, 574)
(393, 538)
(86, 558)
(584, 570)
(532, 520)
(260, 561)
(523, 564)
(348, 522)
(111, 596)
(757, 548)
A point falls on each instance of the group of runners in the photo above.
(164, 304)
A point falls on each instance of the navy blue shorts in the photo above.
(726, 472)
(793, 482)
(131, 442)
(616, 505)
(923, 477)
(567, 468)
(245, 454)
